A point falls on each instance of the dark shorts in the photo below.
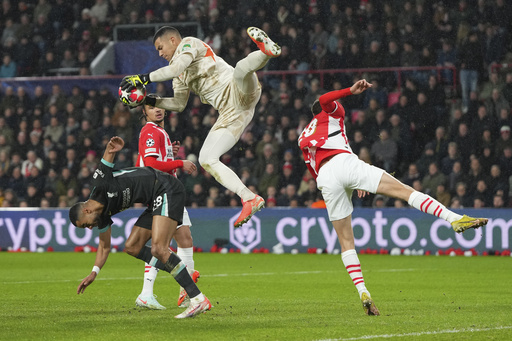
(168, 201)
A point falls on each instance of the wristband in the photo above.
(96, 269)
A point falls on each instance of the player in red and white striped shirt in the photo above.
(157, 151)
(338, 172)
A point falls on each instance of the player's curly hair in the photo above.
(316, 108)
(74, 212)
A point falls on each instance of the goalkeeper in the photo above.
(234, 92)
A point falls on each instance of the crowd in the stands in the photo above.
(450, 139)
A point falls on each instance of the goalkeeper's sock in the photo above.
(425, 203)
(351, 262)
(178, 270)
(150, 273)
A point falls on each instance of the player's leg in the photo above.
(343, 228)
(392, 187)
(162, 233)
(244, 73)
(218, 142)
(336, 191)
(183, 238)
(138, 238)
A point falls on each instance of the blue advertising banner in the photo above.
(300, 229)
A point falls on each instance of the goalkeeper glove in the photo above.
(130, 82)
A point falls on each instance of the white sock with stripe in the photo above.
(351, 262)
(150, 273)
(425, 203)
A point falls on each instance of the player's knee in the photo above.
(206, 161)
(131, 249)
(185, 242)
(158, 251)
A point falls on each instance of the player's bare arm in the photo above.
(101, 258)
(113, 146)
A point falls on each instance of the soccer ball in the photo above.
(133, 98)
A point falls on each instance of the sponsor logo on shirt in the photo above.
(150, 150)
(98, 172)
(111, 195)
(126, 198)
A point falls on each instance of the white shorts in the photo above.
(339, 177)
(237, 110)
(186, 219)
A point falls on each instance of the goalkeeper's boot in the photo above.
(265, 44)
(368, 305)
(466, 222)
(248, 209)
(149, 302)
(195, 308)
(183, 299)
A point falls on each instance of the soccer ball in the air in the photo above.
(133, 98)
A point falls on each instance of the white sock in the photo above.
(425, 203)
(187, 257)
(150, 273)
(198, 299)
(353, 266)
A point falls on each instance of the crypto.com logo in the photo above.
(246, 236)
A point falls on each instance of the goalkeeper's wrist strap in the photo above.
(145, 78)
(151, 101)
(96, 269)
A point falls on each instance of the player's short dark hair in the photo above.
(74, 212)
(316, 108)
(164, 30)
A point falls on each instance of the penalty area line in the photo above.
(448, 331)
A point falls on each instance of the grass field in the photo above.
(259, 297)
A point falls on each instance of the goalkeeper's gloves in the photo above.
(130, 82)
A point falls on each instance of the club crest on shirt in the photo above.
(150, 142)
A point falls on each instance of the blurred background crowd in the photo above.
(445, 133)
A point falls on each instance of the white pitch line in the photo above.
(211, 275)
(449, 331)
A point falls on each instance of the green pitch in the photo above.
(259, 297)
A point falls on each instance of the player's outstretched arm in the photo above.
(176, 103)
(115, 144)
(101, 258)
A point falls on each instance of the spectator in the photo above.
(384, 152)
(270, 178)
(32, 161)
(471, 66)
(8, 68)
(288, 196)
(432, 180)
